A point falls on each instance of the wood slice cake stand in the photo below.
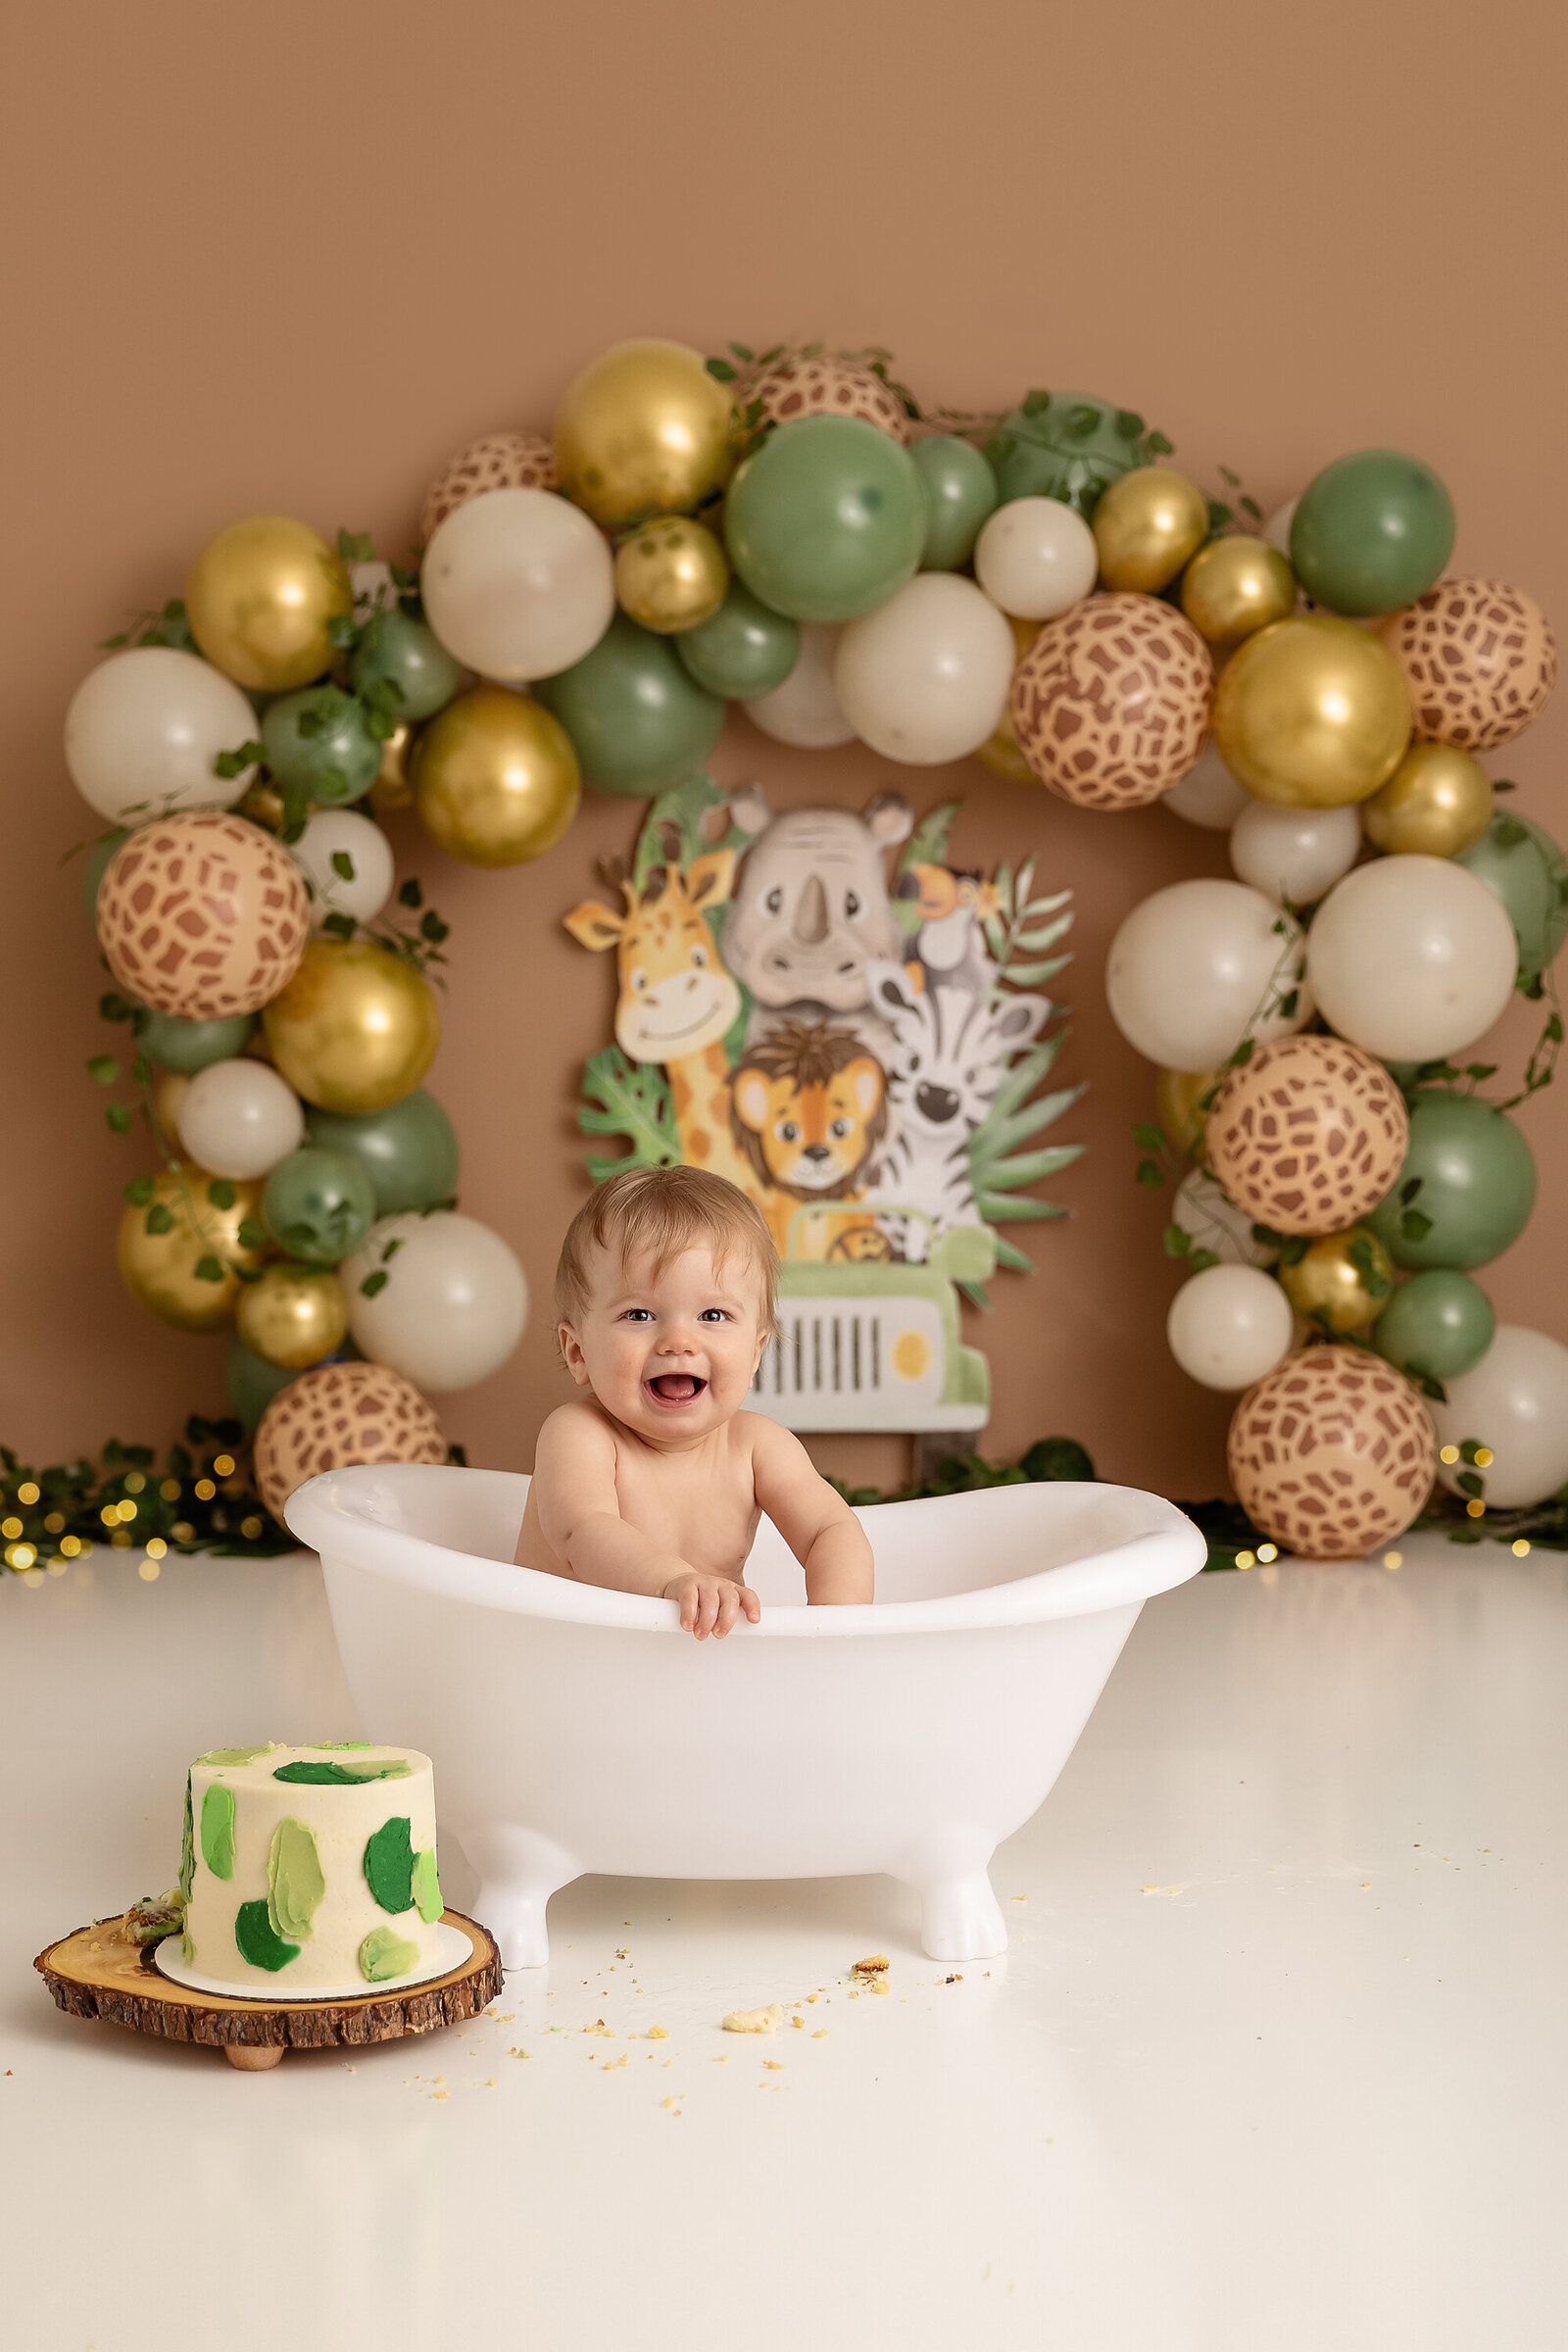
(98, 1972)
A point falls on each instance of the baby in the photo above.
(654, 1479)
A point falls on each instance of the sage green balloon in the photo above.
(410, 656)
(826, 521)
(189, 1045)
(96, 865)
(319, 741)
(319, 1205)
(251, 1381)
(1069, 446)
(637, 718)
(409, 1152)
(1466, 1188)
(960, 491)
(1371, 532)
(744, 651)
(1521, 865)
(1437, 1325)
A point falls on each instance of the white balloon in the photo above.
(1277, 530)
(1199, 966)
(518, 583)
(373, 585)
(1208, 795)
(366, 889)
(1294, 853)
(926, 676)
(1411, 958)
(1211, 1220)
(143, 729)
(1036, 558)
(1229, 1325)
(453, 1306)
(805, 710)
(238, 1118)
(1515, 1400)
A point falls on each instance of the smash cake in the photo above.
(311, 1867)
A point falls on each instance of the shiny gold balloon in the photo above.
(1180, 1108)
(167, 1096)
(1437, 804)
(1148, 524)
(293, 1315)
(671, 575)
(1000, 751)
(260, 598)
(495, 778)
(357, 1027)
(1344, 1283)
(392, 789)
(1236, 586)
(644, 429)
(1312, 713)
(160, 1269)
(264, 807)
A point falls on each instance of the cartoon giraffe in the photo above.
(677, 1000)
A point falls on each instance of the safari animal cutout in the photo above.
(863, 1054)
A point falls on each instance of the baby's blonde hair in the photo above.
(659, 1213)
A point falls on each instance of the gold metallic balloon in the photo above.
(1437, 803)
(644, 429)
(1149, 523)
(1344, 1283)
(1179, 1107)
(671, 575)
(392, 789)
(264, 807)
(1000, 751)
(167, 1096)
(293, 1315)
(1312, 713)
(495, 778)
(1236, 586)
(260, 596)
(357, 1027)
(160, 1269)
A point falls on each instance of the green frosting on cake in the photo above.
(327, 1748)
(338, 1776)
(385, 1953)
(187, 1951)
(389, 1864)
(295, 1879)
(238, 1755)
(187, 1849)
(427, 1887)
(218, 1829)
(257, 1940)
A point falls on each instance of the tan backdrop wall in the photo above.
(289, 259)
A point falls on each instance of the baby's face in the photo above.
(671, 1358)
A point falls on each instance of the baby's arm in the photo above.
(815, 1521)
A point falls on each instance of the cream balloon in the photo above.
(1208, 795)
(364, 889)
(926, 676)
(1515, 1400)
(143, 729)
(1277, 530)
(1036, 558)
(452, 1307)
(373, 585)
(805, 710)
(1411, 958)
(1294, 853)
(1211, 1220)
(518, 584)
(1229, 1325)
(1200, 965)
(239, 1118)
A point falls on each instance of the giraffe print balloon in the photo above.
(1332, 1453)
(203, 916)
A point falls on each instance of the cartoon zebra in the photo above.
(949, 1049)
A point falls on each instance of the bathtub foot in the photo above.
(518, 1872)
(960, 1918)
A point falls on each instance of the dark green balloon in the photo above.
(409, 1153)
(1475, 1185)
(960, 491)
(408, 654)
(251, 1381)
(1065, 445)
(744, 651)
(826, 521)
(320, 742)
(1437, 1324)
(1521, 865)
(96, 865)
(319, 1205)
(1371, 532)
(189, 1045)
(637, 717)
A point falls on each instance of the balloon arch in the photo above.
(1037, 588)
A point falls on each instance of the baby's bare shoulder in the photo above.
(575, 1433)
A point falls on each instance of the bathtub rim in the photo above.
(1134, 1569)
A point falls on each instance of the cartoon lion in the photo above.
(808, 1109)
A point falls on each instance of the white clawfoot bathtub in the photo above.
(580, 1730)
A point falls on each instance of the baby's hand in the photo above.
(710, 1604)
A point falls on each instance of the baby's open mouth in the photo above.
(675, 1388)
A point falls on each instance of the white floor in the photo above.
(1275, 2064)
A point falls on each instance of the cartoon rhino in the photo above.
(810, 908)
